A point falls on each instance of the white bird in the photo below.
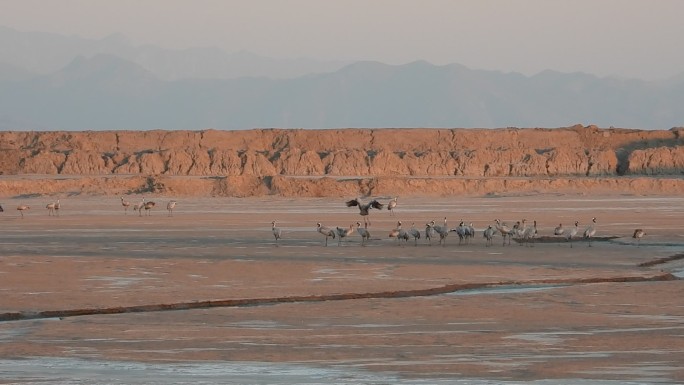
(559, 230)
(590, 231)
(57, 207)
(489, 234)
(170, 206)
(572, 233)
(21, 209)
(504, 230)
(343, 232)
(51, 208)
(415, 234)
(125, 205)
(638, 234)
(391, 205)
(363, 232)
(325, 231)
(399, 233)
(365, 208)
(276, 231)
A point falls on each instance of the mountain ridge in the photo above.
(108, 92)
(43, 53)
(103, 89)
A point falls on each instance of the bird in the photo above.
(365, 208)
(170, 206)
(325, 231)
(470, 232)
(148, 207)
(21, 209)
(139, 206)
(430, 232)
(462, 232)
(276, 230)
(399, 233)
(391, 205)
(518, 230)
(57, 207)
(489, 234)
(529, 233)
(395, 231)
(443, 231)
(51, 208)
(343, 232)
(125, 205)
(590, 231)
(363, 232)
(638, 234)
(415, 234)
(559, 230)
(1, 209)
(572, 233)
(504, 230)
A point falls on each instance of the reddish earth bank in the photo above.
(318, 163)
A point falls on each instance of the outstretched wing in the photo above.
(376, 205)
(353, 202)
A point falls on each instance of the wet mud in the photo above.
(95, 294)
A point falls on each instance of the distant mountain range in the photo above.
(42, 53)
(53, 82)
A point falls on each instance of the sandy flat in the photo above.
(208, 294)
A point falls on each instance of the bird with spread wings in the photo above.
(364, 208)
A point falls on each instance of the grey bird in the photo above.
(276, 231)
(590, 231)
(364, 208)
(391, 205)
(363, 232)
(415, 234)
(571, 234)
(325, 231)
(489, 235)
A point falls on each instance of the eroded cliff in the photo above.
(256, 162)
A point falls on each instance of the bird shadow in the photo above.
(28, 196)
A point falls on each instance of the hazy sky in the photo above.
(632, 38)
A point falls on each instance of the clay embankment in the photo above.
(343, 162)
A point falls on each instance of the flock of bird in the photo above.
(147, 206)
(525, 234)
(53, 207)
(521, 231)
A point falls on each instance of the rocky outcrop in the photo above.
(266, 160)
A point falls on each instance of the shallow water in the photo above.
(67, 371)
(508, 289)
